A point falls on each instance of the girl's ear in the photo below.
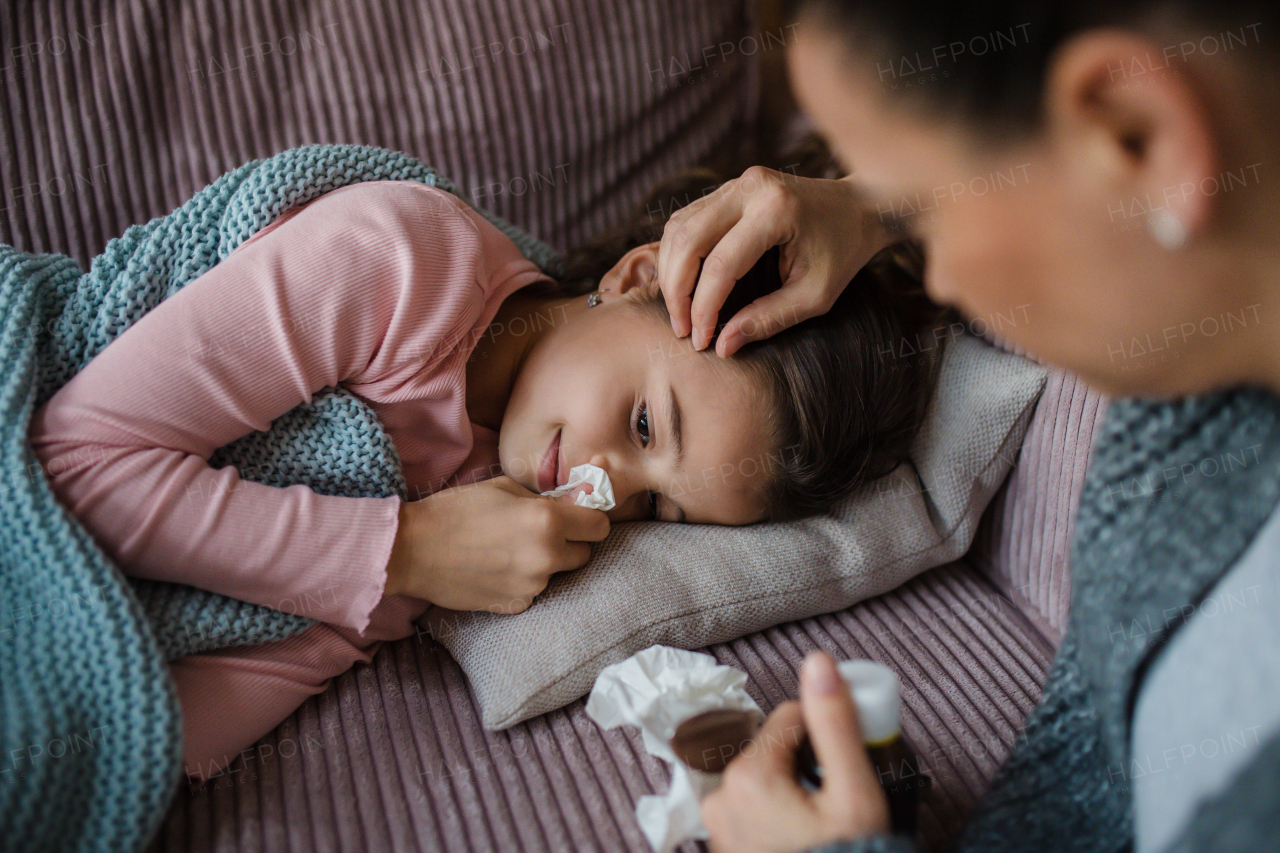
(637, 272)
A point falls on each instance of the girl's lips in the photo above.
(548, 470)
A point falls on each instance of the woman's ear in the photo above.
(1132, 123)
(637, 271)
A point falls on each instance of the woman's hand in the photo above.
(826, 233)
(760, 808)
(491, 545)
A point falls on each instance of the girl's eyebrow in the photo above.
(677, 441)
(673, 411)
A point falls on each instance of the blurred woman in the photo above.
(1107, 167)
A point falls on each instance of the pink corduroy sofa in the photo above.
(557, 115)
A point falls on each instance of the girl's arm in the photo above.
(373, 286)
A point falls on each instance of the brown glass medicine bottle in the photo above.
(875, 692)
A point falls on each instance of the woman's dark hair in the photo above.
(849, 388)
(984, 63)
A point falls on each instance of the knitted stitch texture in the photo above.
(1147, 544)
(91, 726)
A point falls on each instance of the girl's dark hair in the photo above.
(849, 388)
(984, 63)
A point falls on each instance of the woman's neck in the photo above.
(520, 322)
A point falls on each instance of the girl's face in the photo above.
(1044, 242)
(682, 434)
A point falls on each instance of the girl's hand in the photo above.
(827, 233)
(760, 808)
(491, 545)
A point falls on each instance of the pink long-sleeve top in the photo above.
(383, 288)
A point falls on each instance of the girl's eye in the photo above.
(642, 428)
(642, 423)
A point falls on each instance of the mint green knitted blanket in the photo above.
(91, 726)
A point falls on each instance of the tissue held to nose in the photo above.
(601, 496)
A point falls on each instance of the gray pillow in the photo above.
(693, 585)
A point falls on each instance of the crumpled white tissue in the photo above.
(601, 496)
(657, 689)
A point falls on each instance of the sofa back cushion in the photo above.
(557, 115)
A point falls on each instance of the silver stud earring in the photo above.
(1167, 230)
(594, 299)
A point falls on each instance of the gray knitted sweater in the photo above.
(1136, 556)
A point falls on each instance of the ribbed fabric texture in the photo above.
(394, 756)
(557, 116)
(1025, 539)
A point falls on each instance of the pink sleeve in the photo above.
(367, 286)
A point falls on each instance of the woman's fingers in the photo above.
(732, 258)
(848, 778)
(775, 744)
(767, 316)
(760, 807)
(827, 233)
(758, 202)
(689, 236)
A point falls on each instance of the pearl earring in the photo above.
(1167, 230)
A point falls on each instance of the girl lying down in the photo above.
(492, 381)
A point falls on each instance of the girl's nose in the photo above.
(617, 479)
(626, 487)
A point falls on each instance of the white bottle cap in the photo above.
(875, 691)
